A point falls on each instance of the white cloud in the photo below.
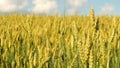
(106, 9)
(44, 6)
(12, 5)
(74, 5)
(71, 11)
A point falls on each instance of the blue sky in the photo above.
(71, 7)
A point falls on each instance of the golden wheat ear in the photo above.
(92, 16)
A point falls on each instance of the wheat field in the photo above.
(78, 41)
